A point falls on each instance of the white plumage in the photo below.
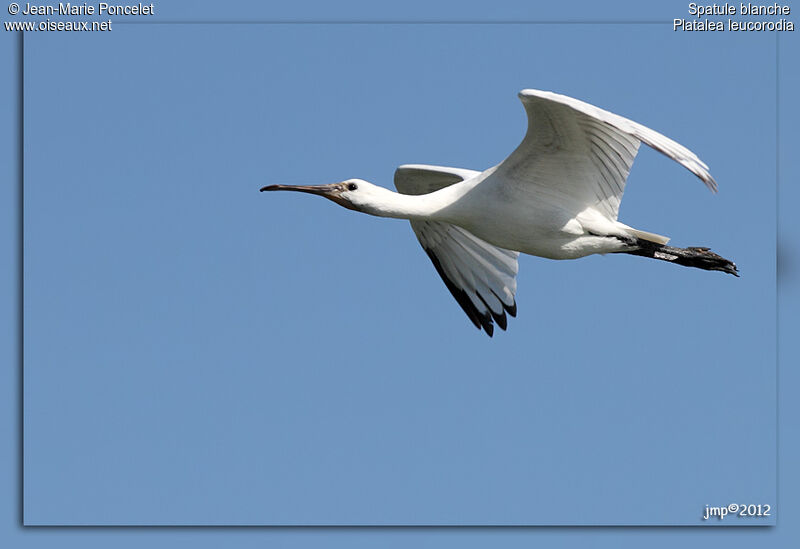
(556, 196)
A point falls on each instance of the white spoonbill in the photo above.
(557, 196)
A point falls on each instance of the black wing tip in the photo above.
(500, 317)
(512, 309)
(486, 322)
(479, 319)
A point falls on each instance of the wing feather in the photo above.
(652, 138)
(481, 277)
(585, 153)
(425, 179)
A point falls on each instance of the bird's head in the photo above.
(353, 194)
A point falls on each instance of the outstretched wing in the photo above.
(584, 154)
(425, 179)
(481, 277)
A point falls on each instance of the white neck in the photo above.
(431, 206)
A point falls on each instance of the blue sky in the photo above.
(197, 353)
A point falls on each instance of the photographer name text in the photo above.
(102, 8)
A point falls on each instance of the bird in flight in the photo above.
(556, 196)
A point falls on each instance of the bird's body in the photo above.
(543, 227)
(556, 196)
(487, 207)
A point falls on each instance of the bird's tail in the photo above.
(701, 258)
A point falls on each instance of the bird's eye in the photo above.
(351, 186)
